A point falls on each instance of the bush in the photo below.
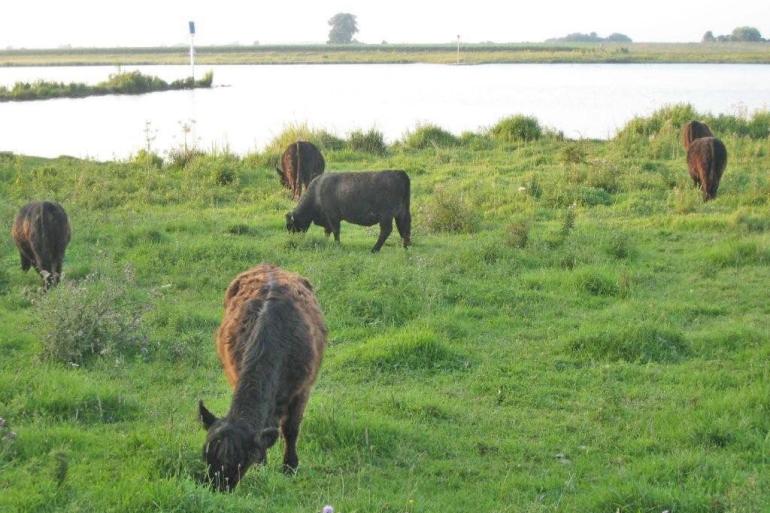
(429, 136)
(94, 317)
(517, 128)
(147, 160)
(224, 175)
(367, 142)
(302, 132)
(517, 234)
(572, 154)
(449, 212)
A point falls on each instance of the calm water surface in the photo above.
(252, 104)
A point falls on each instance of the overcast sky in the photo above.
(51, 23)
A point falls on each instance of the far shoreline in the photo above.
(470, 54)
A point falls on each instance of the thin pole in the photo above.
(192, 56)
(458, 48)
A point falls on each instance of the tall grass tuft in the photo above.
(517, 128)
(371, 141)
(449, 211)
(429, 136)
(93, 317)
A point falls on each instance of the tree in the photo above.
(343, 26)
(617, 37)
(746, 34)
(708, 37)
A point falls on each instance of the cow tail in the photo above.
(712, 171)
(299, 169)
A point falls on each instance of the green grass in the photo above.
(596, 342)
(132, 82)
(473, 53)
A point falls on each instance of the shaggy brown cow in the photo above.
(364, 198)
(300, 163)
(270, 342)
(694, 130)
(706, 160)
(41, 232)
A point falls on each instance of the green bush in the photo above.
(517, 128)
(429, 136)
(449, 211)
(94, 317)
(367, 142)
(147, 160)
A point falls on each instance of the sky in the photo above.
(54, 23)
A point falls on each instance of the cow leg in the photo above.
(385, 228)
(404, 225)
(290, 430)
(334, 227)
(26, 263)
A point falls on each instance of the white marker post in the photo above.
(458, 48)
(192, 49)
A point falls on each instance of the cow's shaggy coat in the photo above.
(694, 130)
(41, 232)
(706, 160)
(271, 342)
(300, 163)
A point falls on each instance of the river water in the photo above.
(250, 105)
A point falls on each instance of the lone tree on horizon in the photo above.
(343, 27)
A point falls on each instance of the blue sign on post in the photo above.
(192, 27)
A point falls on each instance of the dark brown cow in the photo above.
(365, 198)
(271, 342)
(694, 130)
(300, 163)
(41, 232)
(706, 160)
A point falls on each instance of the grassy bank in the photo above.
(132, 82)
(573, 330)
(387, 53)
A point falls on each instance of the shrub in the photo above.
(224, 175)
(429, 136)
(181, 157)
(572, 154)
(517, 234)
(449, 212)
(367, 142)
(517, 128)
(302, 132)
(147, 159)
(93, 317)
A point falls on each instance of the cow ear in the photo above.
(206, 417)
(267, 437)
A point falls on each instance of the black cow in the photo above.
(364, 198)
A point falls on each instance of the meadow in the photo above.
(573, 330)
(473, 53)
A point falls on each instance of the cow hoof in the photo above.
(289, 470)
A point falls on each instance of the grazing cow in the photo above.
(706, 160)
(270, 342)
(694, 130)
(41, 231)
(300, 163)
(360, 198)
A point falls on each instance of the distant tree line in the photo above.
(740, 34)
(593, 37)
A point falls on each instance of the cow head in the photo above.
(295, 225)
(231, 447)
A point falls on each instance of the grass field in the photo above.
(395, 53)
(589, 337)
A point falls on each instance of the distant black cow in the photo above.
(706, 160)
(300, 163)
(364, 198)
(41, 232)
(694, 130)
